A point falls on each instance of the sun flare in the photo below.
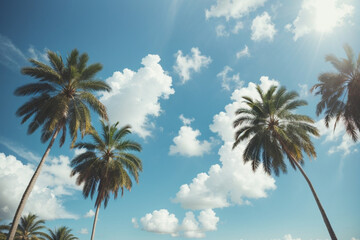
(328, 14)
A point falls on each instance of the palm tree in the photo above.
(340, 92)
(62, 233)
(30, 228)
(274, 130)
(60, 100)
(106, 165)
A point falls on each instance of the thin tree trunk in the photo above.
(95, 220)
(322, 211)
(29, 188)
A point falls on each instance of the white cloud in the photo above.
(243, 53)
(232, 181)
(233, 8)
(39, 55)
(190, 63)
(84, 231)
(237, 27)
(228, 82)
(10, 56)
(46, 197)
(13, 58)
(186, 143)
(341, 140)
(190, 226)
(208, 220)
(263, 28)
(20, 150)
(221, 31)
(135, 96)
(134, 222)
(89, 214)
(186, 121)
(78, 151)
(162, 222)
(319, 15)
(355, 238)
(304, 90)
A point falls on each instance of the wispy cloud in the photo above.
(243, 53)
(10, 56)
(13, 58)
(20, 150)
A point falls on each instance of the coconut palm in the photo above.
(105, 166)
(340, 92)
(30, 228)
(273, 131)
(60, 101)
(62, 233)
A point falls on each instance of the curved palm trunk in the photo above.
(29, 188)
(322, 211)
(95, 220)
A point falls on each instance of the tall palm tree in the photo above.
(60, 100)
(105, 166)
(62, 233)
(30, 228)
(274, 131)
(340, 92)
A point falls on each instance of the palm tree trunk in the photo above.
(322, 211)
(29, 188)
(95, 220)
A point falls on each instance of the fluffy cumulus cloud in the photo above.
(263, 28)
(46, 197)
(135, 95)
(187, 64)
(162, 222)
(233, 8)
(231, 181)
(228, 82)
(319, 15)
(243, 53)
(338, 138)
(89, 214)
(187, 143)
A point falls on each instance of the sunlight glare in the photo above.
(328, 14)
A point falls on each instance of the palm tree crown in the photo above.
(102, 168)
(62, 233)
(340, 92)
(274, 129)
(62, 95)
(30, 228)
(105, 166)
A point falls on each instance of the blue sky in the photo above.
(178, 70)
